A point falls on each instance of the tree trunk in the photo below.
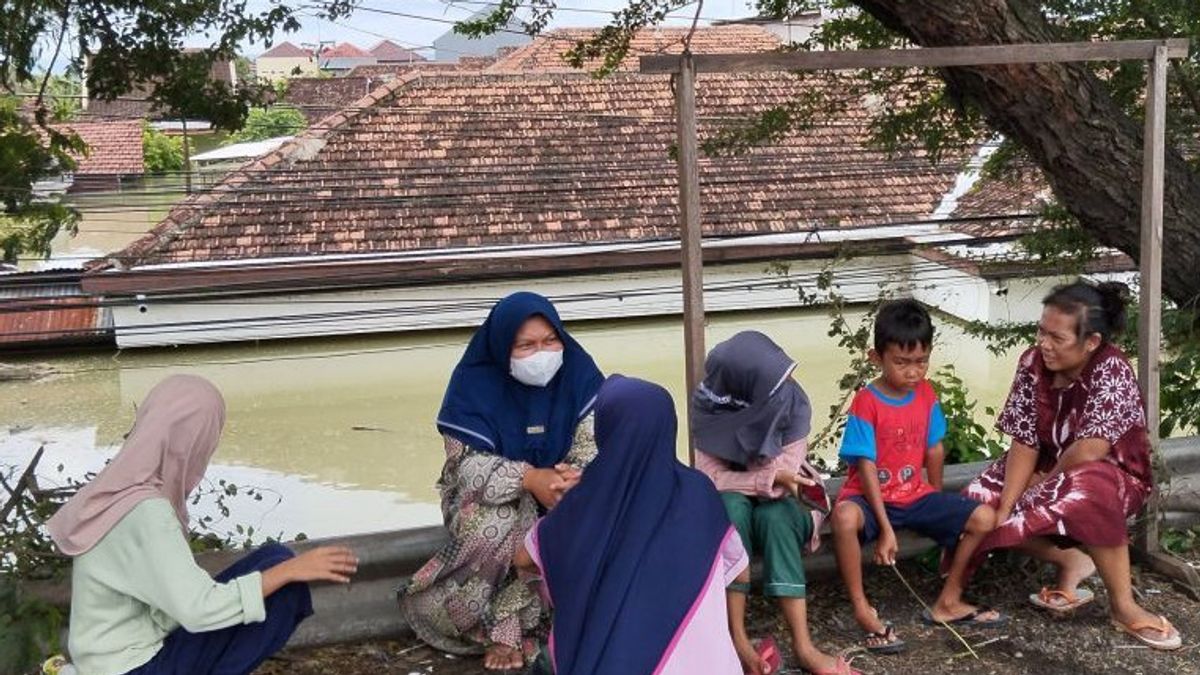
(1088, 148)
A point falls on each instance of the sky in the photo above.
(417, 23)
(428, 19)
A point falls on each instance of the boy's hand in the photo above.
(886, 547)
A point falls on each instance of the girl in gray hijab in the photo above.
(750, 423)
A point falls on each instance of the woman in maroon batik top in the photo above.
(1079, 464)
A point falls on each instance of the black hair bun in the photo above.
(1114, 298)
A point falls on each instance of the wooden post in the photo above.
(690, 234)
(1150, 303)
(187, 158)
(1150, 310)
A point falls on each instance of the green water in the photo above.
(342, 429)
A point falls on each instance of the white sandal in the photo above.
(1170, 641)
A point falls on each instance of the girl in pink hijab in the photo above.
(139, 602)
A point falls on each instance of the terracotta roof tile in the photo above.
(344, 50)
(318, 97)
(386, 50)
(387, 71)
(1023, 192)
(285, 50)
(545, 53)
(485, 160)
(114, 148)
(134, 104)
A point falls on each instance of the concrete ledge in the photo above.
(367, 608)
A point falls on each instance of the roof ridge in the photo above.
(183, 215)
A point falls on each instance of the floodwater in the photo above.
(112, 219)
(339, 433)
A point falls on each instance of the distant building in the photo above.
(343, 58)
(136, 104)
(114, 154)
(451, 46)
(283, 61)
(796, 28)
(388, 52)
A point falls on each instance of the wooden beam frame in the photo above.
(1150, 310)
(689, 222)
(930, 57)
(1156, 53)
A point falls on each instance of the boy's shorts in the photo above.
(941, 516)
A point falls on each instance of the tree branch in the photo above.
(22, 483)
(64, 16)
(687, 41)
(1185, 82)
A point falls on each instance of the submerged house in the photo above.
(417, 206)
(114, 155)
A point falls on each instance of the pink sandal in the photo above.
(768, 651)
(841, 668)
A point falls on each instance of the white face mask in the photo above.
(537, 369)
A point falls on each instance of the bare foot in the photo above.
(502, 657)
(817, 661)
(752, 663)
(1072, 573)
(868, 620)
(880, 635)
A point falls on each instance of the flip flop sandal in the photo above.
(1061, 602)
(1171, 641)
(768, 650)
(970, 620)
(841, 668)
(892, 644)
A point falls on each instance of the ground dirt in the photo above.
(1032, 642)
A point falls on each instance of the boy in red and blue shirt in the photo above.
(895, 431)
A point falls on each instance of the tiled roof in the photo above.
(131, 106)
(134, 105)
(439, 161)
(388, 71)
(386, 50)
(114, 148)
(319, 97)
(545, 52)
(344, 50)
(285, 50)
(1023, 191)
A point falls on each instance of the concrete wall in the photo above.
(974, 298)
(270, 69)
(154, 322)
(745, 286)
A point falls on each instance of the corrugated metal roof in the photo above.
(44, 309)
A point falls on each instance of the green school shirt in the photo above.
(139, 583)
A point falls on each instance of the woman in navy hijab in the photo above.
(516, 423)
(635, 560)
